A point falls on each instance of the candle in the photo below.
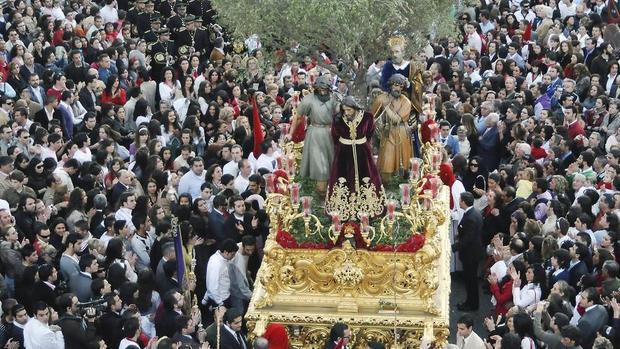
(306, 202)
(291, 164)
(405, 194)
(365, 220)
(279, 162)
(434, 131)
(336, 221)
(270, 180)
(427, 199)
(436, 159)
(391, 207)
(415, 165)
(434, 186)
(295, 193)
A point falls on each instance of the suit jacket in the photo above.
(42, 292)
(34, 96)
(41, 117)
(87, 100)
(473, 342)
(80, 285)
(469, 236)
(25, 72)
(188, 341)
(487, 148)
(117, 190)
(576, 272)
(166, 324)
(110, 329)
(216, 225)
(228, 341)
(590, 323)
(230, 227)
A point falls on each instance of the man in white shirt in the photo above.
(128, 203)
(218, 277)
(109, 13)
(473, 38)
(243, 179)
(192, 181)
(232, 167)
(466, 338)
(142, 241)
(38, 334)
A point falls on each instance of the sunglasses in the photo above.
(473, 165)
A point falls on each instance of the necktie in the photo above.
(240, 340)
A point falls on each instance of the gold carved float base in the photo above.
(396, 298)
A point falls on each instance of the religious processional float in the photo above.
(379, 263)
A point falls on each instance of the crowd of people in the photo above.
(117, 117)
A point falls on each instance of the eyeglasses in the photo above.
(473, 165)
(39, 167)
(45, 236)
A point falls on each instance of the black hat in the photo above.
(350, 101)
(189, 18)
(163, 31)
(180, 4)
(322, 82)
(156, 19)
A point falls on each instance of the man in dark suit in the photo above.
(44, 289)
(87, 95)
(511, 205)
(488, 142)
(168, 254)
(594, 318)
(217, 217)
(37, 93)
(231, 336)
(239, 223)
(80, 282)
(110, 322)
(186, 333)
(578, 268)
(170, 282)
(166, 322)
(469, 246)
(49, 112)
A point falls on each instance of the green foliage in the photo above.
(348, 29)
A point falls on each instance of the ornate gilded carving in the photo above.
(349, 205)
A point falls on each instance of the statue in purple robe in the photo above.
(354, 183)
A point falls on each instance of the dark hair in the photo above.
(130, 327)
(337, 331)
(466, 320)
(571, 332)
(86, 261)
(229, 245)
(45, 271)
(467, 198)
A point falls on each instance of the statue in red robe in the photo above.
(354, 183)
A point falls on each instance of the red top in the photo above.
(54, 92)
(503, 296)
(575, 129)
(120, 99)
(539, 153)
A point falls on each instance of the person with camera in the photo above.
(110, 323)
(78, 330)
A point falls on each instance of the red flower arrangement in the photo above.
(413, 244)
